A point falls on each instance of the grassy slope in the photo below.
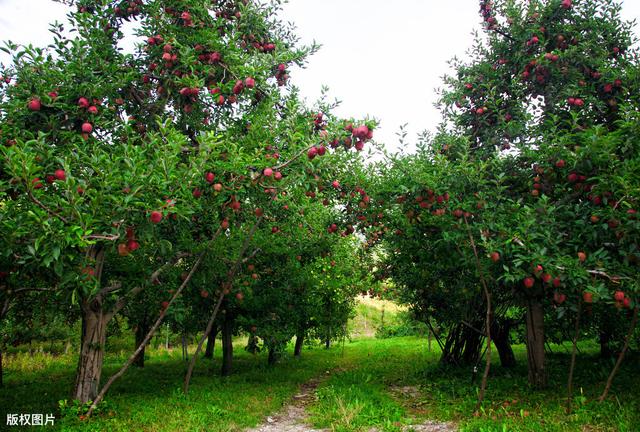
(354, 398)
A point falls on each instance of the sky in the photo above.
(381, 58)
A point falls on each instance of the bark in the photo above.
(227, 347)
(94, 327)
(211, 343)
(462, 346)
(185, 348)
(535, 344)
(605, 348)
(141, 332)
(273, 357)
(573, 358)
(634, 322)
(327, 343)
(299, 342)
(500, 335)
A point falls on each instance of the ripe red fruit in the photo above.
(275, 229)
(37, 184)
(217, 187)
(572, 178)
(204, 293)
(60, 174)
(618, 296)
(156, 216)
(197, 193)
(83, 102)
(594, 219)
(582, 256)
(528, 282)
(559, 298)
(268, 172)
(240, 296)
(224, 224)
(556, 282)
(92, 109)
(259, 212)
(321, 150)
(87, 128)
(238, 87)
(546, 278)
(123, 250)
(34, 104)
(335, 184)
(587, 297)
(495, 257)
(277, 175)
(312, 153)
(566, 4)
(560, 163)
(249, 82)
(209, 177)
(133, 245)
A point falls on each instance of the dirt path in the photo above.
(292, 418)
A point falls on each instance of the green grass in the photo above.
(355, 397)
(371, 314)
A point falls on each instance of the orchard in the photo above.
(185, 195)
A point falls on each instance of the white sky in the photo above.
(381, 58)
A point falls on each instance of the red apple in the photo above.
(618, 296)
(209, 177)
(87, 127)
(156, 216)
(495, 257)
(268, 172)
(528, 282)
(60, 174)
(83, 102)
(587, 297)
(133, 245)
(224, 224)
(34, 104)
(582, 256)
(217, 187)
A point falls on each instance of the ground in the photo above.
(365, 385)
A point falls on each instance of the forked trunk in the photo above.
(94, 328)
(211, 343)
(227, 347)
(500, 338)
(299, 342)
(535, 344)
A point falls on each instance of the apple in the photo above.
(217, 187)
(259, 212)
(209, 177)
(626, 303)
(582, 256)
(92, 109)
(197, 193)
(60, 174)
(556, 282)
(312, 153)
(165, 304)
(560, 163)
(34, 104)
(495, 257)
(277, 175)
(528, 282)
(559, 298)
(204, 293)
(37, 184)
(249, 82)
(321, 150)
(618, 296)
(83, 102)
(240, 296)
(587, 297)
(224, 224)
(566, 4)
(156, 216)
(123, 250)
(133, 245)
(87, 127)
(268, 172)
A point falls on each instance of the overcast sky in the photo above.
(381, 58)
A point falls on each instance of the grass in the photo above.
(355, 397)
(371, 314)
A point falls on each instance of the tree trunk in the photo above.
(94, 327)
(500, 338)
(273, 357)
(299, 341)
(605, 348)
(185, 348)
(535, 344)
(227, 347)
(463, 346)
(327, 343)
(141, 332)
(1, 373)
(211, 343)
